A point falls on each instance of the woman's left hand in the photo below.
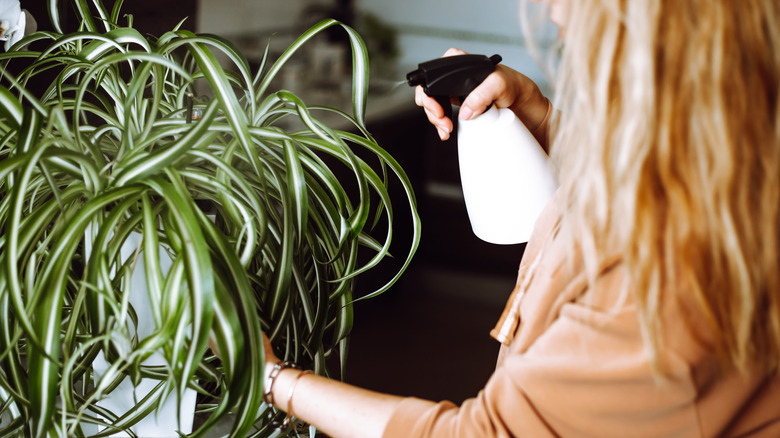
(270, 357)
(336, 408)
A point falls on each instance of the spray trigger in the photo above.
(452, 76)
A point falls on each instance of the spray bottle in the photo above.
(505, 174)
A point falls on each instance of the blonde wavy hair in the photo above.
(669, 148)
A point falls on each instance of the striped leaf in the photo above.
(120, 163)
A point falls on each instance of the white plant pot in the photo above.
(175, 414)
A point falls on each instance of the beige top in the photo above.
(573, 364)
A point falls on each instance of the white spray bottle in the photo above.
(505, 174)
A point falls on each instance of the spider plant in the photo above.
(266, 228)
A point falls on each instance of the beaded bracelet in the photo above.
(290, 393)
(268, 396)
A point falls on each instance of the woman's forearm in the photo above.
(336, 408)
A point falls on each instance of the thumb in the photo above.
(475, 103)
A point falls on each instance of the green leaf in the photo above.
(296, 186)
(54, 14)
(47, 314)
(267, 228)
(197, 137)
(10, 108)
(197, 261)
(359, 64)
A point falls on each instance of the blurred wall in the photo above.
(231, 17)
(429, 27)
(425, 28)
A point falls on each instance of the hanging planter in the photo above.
(262, 230)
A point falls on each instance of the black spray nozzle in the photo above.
(455, 76)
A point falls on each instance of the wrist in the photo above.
(542, 123)
(290, 393)
(531, 109)
(280, 383)
(271, 379)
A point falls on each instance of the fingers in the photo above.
(497, 88)
(504, 88)
(270, 356)
(454, 52)
(507, 88)
(428, 103)
(213, 345)
(434, 112)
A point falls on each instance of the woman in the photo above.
(648, 299)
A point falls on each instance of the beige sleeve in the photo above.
(586, 375)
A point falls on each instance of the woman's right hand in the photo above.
(504, 88)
